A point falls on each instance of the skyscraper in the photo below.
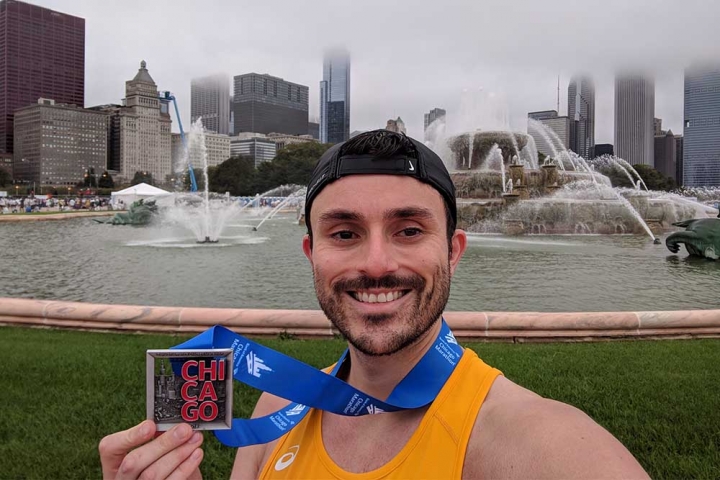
(581, 111)
(666, 154)
(701, 145)
(335, 97)
(634, 119)
(430, 117)
(546, 142)
(42, 56)
(210, 99)
(140, 139)
(267, 104)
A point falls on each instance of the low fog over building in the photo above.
(701, 149)
(210, 100)
(634, 119)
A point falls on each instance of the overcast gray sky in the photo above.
(407, 56)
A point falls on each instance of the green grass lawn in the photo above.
(64, 390)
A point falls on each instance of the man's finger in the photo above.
(171, 461)
(115, 447)
(141, 458)
(190, 468)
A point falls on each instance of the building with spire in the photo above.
(140, 131)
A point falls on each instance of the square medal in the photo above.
(190, 386)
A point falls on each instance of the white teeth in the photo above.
(379, 298)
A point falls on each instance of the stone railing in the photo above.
(486, 326)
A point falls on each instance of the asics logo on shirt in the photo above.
(288, 458)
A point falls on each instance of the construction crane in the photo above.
(170, 97)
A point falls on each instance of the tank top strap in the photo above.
(460, 402)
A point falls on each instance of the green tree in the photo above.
(235, 175)
(142, 177)
(106, 180)
(5, 177)
(655, 180)
(89, 178)
(292, 165)
(199, 179)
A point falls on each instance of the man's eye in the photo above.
(343, 235)
(410, 232)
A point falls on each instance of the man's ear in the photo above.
(459, 245)
(307, 247)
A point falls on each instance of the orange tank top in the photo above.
(435, 450)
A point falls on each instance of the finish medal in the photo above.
(190, 386)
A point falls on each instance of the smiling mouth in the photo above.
(384, 297)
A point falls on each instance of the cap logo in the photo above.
(412, 168)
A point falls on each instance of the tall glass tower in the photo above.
(701, 145)
(634, 119)
(335, 97)
(581, 111)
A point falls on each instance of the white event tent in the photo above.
(136, 192)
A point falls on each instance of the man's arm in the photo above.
(523, 435)
(250, 460)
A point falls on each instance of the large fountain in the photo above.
(206, 214)
(503, 187)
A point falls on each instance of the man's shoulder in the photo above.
(250, 460)
(519, 433)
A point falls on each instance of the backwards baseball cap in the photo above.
(423, 164)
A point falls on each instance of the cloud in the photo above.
(408, 56)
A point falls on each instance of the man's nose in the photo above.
(378, 256)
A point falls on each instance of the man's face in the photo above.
(381, 259)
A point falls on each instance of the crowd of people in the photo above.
(30, 204)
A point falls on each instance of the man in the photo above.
(382, 243)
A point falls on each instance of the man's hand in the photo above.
(131, 454)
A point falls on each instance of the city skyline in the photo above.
(428, 71)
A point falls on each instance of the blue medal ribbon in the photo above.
(307, 387)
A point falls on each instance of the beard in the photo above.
(384, 334)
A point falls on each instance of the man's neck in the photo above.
(378, 376)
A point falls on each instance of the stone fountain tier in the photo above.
(485, 184)
(535, 206)
(567, 216)
(481, 145)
